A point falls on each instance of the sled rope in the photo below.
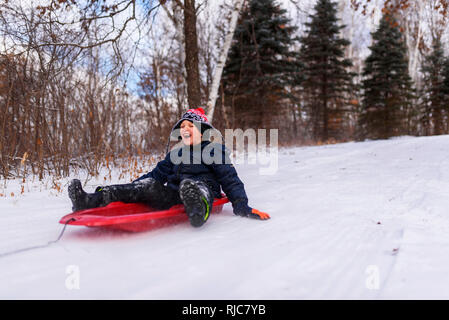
(39, 246)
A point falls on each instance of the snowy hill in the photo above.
(349, 221)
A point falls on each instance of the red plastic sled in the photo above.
(133, 217)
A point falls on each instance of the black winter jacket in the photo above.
(209, 163)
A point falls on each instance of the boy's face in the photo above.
(189, 133)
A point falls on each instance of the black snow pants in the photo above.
(148, 190)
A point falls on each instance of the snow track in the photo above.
(349, 221)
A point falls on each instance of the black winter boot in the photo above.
(197, 200)
(82, 200)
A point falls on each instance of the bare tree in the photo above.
(222, 60)
(191, 51)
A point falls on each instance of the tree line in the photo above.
(63, 79)
(314, 94)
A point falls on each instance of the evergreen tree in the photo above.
(446, 77)
(261, 65)
(434, 98)
(387, 86)
(328, 83)
(445, 89)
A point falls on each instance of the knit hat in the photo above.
(198, 118)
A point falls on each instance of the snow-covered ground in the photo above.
(365, 220)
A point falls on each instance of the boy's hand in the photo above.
(256, 214)
(246, 211)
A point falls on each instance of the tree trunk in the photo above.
(222, 60)
(191, 48)
(324, 97)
